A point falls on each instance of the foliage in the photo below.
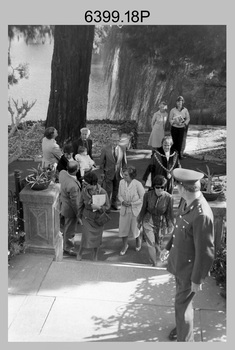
(40, 175)
(219, 266)
(16, 235)
(152, 62)
(209, 184)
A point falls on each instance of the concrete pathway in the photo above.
(85, 301)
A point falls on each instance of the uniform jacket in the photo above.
(80, 142)
(134, 193)
(192, 243)
(69, 194)
(109, 165)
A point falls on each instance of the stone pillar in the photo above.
(42, 220)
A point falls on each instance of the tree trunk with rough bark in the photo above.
(70, 72)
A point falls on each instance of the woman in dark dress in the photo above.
(164, 159)
(88, 213)
(156, 217)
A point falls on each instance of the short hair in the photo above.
(72, 166)
(131, 171)
(91, 178)
(81, 149)
(180, 98)
(195, 187)
(68, 148)
(162, 103)
(85, 129)
(159, 180)
(166, 138)
(49, 132)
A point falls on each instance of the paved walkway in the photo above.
(84, 301)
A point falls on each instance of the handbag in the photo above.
(102, 219)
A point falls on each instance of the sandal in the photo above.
(173, 334)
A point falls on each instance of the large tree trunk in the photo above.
(70, 72)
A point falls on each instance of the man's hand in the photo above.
(196, 287)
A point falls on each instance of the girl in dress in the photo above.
(158, 126)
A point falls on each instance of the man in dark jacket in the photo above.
(190, 249)
(84, 141)
(69, 197)
(112, 161)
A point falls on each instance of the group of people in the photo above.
(145, 206)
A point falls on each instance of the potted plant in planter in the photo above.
(210, 188)
(40, 178)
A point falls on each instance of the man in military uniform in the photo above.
(190, 249)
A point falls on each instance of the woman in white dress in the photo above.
(158, 126)
(130, 194)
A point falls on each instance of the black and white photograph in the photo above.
(117, 176)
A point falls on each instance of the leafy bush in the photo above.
(218, 269)
(16, 236)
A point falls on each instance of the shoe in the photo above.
(114, 207)
(138, 248)
(173, 335)
(123, 251)
(70, 252)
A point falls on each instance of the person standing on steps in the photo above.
(112, 161)
(156, 217)
(88, 212)
(179, 119)
(69, 197)
(158, 126)
(190, 250)
(50, 149)
(130, 194)
(164, 159)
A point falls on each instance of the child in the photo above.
(84, 160)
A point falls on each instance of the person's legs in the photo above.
(70, 228)
(108, 186)
(150, 241)
(184, 311)
(95, 255)
(124, 245)
(114, 197)
(184, 139)
(177, 137)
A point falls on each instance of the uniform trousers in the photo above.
(184, 310)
